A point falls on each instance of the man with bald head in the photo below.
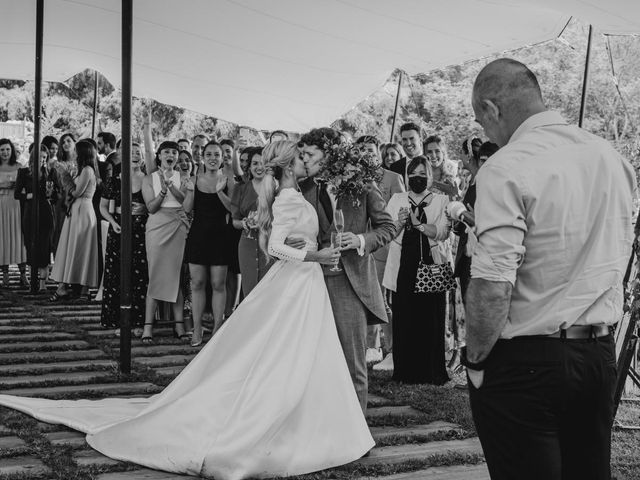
(554, 228)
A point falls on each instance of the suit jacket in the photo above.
(400, 167)
(370, 220)
(390, 184)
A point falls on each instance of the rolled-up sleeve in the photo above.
(500, 225)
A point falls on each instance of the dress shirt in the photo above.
(554, 219)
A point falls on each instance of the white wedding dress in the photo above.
(270, 395)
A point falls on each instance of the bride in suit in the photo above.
(269, 395)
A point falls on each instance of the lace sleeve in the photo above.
(285, 216)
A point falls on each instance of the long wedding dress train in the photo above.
(269, 395)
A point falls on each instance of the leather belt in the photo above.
(582, 331)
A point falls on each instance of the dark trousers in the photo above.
(545, 408)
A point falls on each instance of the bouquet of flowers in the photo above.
(348, 171)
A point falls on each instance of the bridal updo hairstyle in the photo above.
(277, 156)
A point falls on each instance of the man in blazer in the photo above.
(412, 145)
(356, 297)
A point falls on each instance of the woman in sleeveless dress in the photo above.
(207, 244)
(76, 260)
(166, 232)
(110, 209)
(66, 170)
(270, 395)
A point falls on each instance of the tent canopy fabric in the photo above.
(282, 64)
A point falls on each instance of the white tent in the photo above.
(289, 64)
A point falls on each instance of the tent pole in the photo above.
(37, 136)
(125, 217)
(95, 103)
(395, 109)
(585, 80)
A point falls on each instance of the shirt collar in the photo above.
(538, 120)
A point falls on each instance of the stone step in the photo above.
(376, 401)
(27, 466)
(393, 411)
(88, 391)
(40, 346)
(164, 349)
(21, 329)
(72, 309)
(142, 474)
(44, 357)
(23, 368)
(24, 320)
(73, 378)
(404, 453)
(7, 443)
(71, 438)
(168, 371)
(5, 431)
(380, 433)
(164, 361)
(454, 472)
(36, 337)
(87, 458)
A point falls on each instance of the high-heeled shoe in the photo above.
(184, 337)
(196, 340)
(147, 339)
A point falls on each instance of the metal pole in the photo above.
(395, 110)
(96, 83)
(125, 217)
(37, 135)
(585, 80)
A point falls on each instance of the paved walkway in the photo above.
(60, 350)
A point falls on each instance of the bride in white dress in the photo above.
(269, 395)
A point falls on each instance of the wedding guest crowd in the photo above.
(194, 236)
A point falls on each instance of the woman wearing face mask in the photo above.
(165, 194)
(244, 204)
(110, 209)
(418, 318)
(208, 249)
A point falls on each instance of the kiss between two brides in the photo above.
(272, 393)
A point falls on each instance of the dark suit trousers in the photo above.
(351, 321)
(545, 408)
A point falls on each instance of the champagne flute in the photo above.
(335, 243)
(338, 220)
(250, 222)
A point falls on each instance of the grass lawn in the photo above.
(452, 405)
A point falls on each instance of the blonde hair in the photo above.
(277, 156)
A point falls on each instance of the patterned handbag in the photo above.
(433, 278)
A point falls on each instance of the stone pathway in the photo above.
(61, 351)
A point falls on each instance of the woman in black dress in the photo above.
(110, 210)
(208, 250)
(418, 318)
(47, 194)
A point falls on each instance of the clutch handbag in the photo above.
(434, 277)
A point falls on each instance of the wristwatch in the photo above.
(464, 361)
(420, 228)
